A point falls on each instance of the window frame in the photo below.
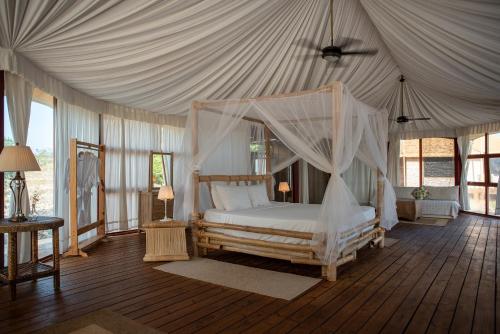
(486, 156)
(456, 159)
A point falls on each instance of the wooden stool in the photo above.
(165, 241)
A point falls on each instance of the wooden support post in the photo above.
(269, 180)
(330, 272)
(12, 270)
(380, 194)
(55, 258)
(34, 246)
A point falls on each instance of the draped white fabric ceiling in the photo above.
(159, 55)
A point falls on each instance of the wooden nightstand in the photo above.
(409, 209)
(165, 241)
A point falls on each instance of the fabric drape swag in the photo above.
(19, 94)
(326, 127)
(70, 122)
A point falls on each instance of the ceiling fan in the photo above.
(333, 52)
(402, 118)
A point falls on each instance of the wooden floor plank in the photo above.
(425, 282)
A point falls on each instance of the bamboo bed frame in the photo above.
(205, 240)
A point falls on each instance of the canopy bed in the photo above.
(327, 127)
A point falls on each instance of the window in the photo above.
(409, 162)
(483, 170)
(40, 139)
(428, 162)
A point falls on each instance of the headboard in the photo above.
(228, 179)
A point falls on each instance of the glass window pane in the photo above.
(475, 170)
(494, 142)
(494, 169)
(409, 163)
(492, 202)
(478, 146)
(477, 198)
(438, 162)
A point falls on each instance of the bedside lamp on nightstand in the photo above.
(284, 188)
(165, 194)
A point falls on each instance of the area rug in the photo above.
(99, 322)
(388, 242)
(428, 221)
(264, 282)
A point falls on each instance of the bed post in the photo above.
(269, 179)
(195, 215)
(380, 203)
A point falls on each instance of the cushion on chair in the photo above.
(404, 192)
(444, 193)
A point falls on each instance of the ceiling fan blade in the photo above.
(305, 57)
(369, 52)
(419, 119)
(307, 43)
(346, 41)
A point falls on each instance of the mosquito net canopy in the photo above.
(326, 127)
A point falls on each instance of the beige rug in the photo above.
(429, 221)
(264, 282)
(388, 242)
(99, 322)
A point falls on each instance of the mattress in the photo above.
(283, 216)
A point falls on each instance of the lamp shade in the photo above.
(165, 193)
(284, 187)
(18, 158)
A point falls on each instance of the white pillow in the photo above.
(258, 195)
(216, 199)
(234, 197)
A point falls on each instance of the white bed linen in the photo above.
(283, 216)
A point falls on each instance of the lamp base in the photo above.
(18, 219)
(166, 219)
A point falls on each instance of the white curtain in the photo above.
(361, 180)
(128, 146)
(464, 147)
(70, 121)
(306, 124)
(19, 93)
(393, 160)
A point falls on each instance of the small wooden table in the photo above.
(32, 270)
(165, 241)
(409, 209)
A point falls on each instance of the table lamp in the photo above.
(284, 188)
(166, 193)
(18, 159)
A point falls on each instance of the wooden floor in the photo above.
(435, 280)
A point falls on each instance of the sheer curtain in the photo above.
(361, 180)
(128, 146)
(324, 127)
(464, 147)
(393, 160)
(70, 121)
(329, 142)
(19, 94)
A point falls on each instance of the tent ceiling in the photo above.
(160, 55)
